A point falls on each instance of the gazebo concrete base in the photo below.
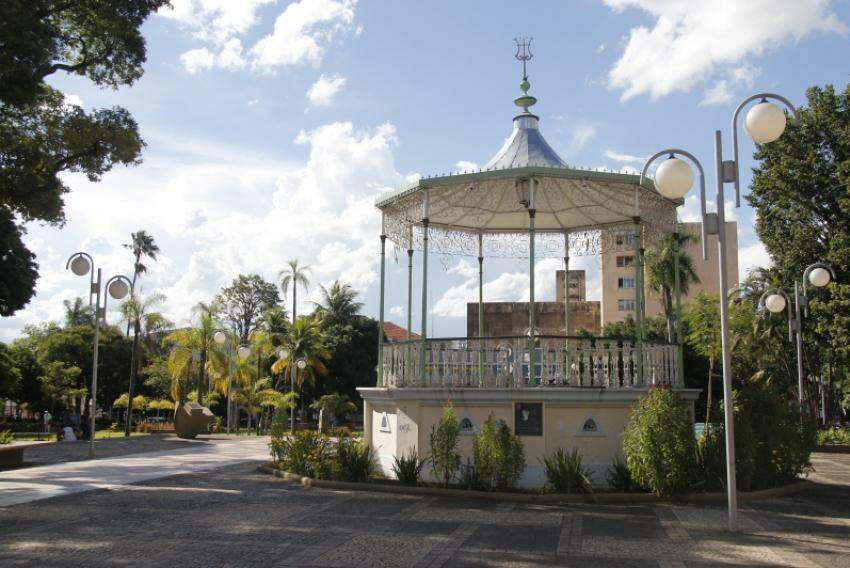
(546, 418)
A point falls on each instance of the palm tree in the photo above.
(143, 245)
(305, 341)
(77, 313)
(661, 267)
(333, 405)
(339, 304)
(704, 335)
(135, 311)
(294, 275)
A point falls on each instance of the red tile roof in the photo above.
(393, 333)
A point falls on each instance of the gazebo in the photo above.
(525, 203)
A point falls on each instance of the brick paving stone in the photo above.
(234, 517)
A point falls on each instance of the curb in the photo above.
(834, 448)
(534, 498)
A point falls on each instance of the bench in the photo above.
(12, 455)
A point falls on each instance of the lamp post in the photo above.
(118, 287)
(775, 300)
(300, 363)
(243, 352)
(221, 337)
(764, 123)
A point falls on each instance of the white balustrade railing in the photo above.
(503, 362)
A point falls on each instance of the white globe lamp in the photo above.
(301, 364)
(765, 122)
(674, 178)
(80, 266)
(819, 277)
(243, 352)
(283, 353)
(775, 303)
(220, 337)
(118, 289)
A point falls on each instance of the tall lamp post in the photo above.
(776, 300)
(221, 337)
(243, 352)
(764, 123)
(118, 287)
(300, 364)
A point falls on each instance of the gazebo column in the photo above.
(481, 310)
(567, 358)
(638, 264)
(381, 312)
(677, 286)
(532, 307)
(423, 343)
(407, 362)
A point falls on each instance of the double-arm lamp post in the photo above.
(118, 287)
(299, 363)
(765, 122)
(776, 300)
(221, 337)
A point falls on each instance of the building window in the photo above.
(625, 283)
(624, 305)
(466, 426)
(625, 239)
(625, 261)
(589, 426)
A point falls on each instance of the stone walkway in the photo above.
(234, 516)
(131, 464)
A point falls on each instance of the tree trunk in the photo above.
(294, 286)
(708, 397)
(202, 377)
(668, 312)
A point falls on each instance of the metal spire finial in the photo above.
(523, 53)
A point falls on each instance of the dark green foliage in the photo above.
(445, 459)
(408, 467)
(659, 443)
(834, 436)
(10, 375)
(280, 424)
(18, 269)
(498, 456)
(801, 195)
(243, 303)
(620, 478)
(6, 437)
(565, 472)
(355, 461)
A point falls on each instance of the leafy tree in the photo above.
(40, 135)
(243, 303)
(445, 459)
(305, 341)
(338, 305)
(294, 275)
(333, 405)
(188, 343)
(661, 267)
(18, 269)
(801, 194)
(60, 384)
(703, 317)
(10, 375)
(135, 311)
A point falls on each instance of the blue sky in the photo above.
(272, 126)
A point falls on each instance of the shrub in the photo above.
(280, 425)
(6, 437)
(834, 436)
(354, 460)
(498, 456)
(566, 473)
(659, 443)
(445, 459)
(408, 467)
(711, 459)
(620, 478)
(306, 453)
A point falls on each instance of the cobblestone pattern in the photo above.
(236, 517)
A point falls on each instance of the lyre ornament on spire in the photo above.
(523, 53)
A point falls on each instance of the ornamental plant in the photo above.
(408, 467)
(498, 455)
(659, 443)
(355, 461)
(306, 453)
(566, 473)
(445, 459)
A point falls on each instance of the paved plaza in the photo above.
(234, 516)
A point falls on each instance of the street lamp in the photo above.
(775, 300)
(301, 364)
(220, 337)
(118, 287)
(764, 123)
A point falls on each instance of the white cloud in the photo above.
(724, 91)
(465, 166)
(197, 60)
(752, 256)
(218, 211)
(322, 92)
(619, 157)
(73, 100)
(581, 136)
(302, 32)
(397, 312)
(691, 41)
